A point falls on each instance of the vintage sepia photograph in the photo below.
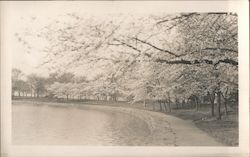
(83, 77)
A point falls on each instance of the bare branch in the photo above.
(188, 15)
(177, 18)
(193, 62)
(222, 49)
(128, 45)
(160, 49)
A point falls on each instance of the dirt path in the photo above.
(187, 134)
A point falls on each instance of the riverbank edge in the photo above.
(153, 124)
(212, 128)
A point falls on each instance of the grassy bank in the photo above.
(224, 131)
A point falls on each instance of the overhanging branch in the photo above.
(177, 18)
(188, 15)
(221, 49)
(157, 48)
(128, 45)
(193, 62)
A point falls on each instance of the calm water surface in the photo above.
(52, 125)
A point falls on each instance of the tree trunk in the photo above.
(165, 107)
(177, 103)
(182, 103)
(144, 103)
(169, 103)
(196, 103)
(219, 106)
(160, 104)
(211, 98)
(225, 103)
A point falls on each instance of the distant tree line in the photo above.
(67, 86)
(62, 86)
(31, 85)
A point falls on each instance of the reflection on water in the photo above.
(41, 124)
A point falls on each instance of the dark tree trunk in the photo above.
(169, 106)
(196, 103)
(177, 103)
(165, 107)
(225, 103)
(182, 103)
(160, 104)
(219, 106)
(211, 98)
(169, 103)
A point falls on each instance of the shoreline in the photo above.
(163, 127)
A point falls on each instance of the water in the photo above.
(53, 125)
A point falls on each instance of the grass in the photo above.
(224, 130)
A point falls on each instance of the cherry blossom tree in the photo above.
(167, 58)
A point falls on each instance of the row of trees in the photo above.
(65, 86)
(32, 85)
(168, 58)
